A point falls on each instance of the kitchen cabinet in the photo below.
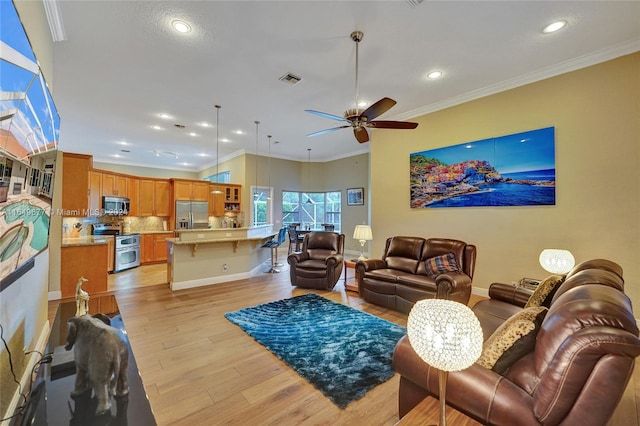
(133, 188)
(154, 197)
(95, 192)
(153, 247)
(114, 185)
(216, 201)
(111, 252)
(83, 261)
(232, 197)
(75, 184)
(187, 190)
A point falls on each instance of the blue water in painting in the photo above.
(508, 194)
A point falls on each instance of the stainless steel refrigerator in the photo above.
(192, 215)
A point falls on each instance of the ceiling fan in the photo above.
(359, 119)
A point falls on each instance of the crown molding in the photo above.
(54, 17)
(562, 68)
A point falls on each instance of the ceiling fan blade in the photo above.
(361, 134)
(322, 132)
(327, 115)
(379, 108)
(382, 124)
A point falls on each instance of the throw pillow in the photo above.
(544, 291)
(441, 265)
(512, 340)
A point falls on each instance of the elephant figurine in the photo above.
(101, 356)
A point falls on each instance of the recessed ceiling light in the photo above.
(205, 124)
(193, 134)
(238, 132)
(185, 164)
(181, 26)
(363, 104)
(555, 26)
(224, 140)
(122, 143)
(156, 127)
(164, 115)
(434, 74)
(117, 155)
(202, 154)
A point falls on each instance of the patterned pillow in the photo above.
(544, 291)
(512, 340)
(441, 265)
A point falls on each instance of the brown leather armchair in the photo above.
(320, 261)
(576, 373)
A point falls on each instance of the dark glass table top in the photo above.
(51, 402)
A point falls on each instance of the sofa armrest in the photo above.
(451, 283)
(334, 259)
(295, 258)
(370, 264)
(514, 295)
(476, 391)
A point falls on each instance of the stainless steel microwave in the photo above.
(118, 206)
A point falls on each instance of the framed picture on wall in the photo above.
(355, 196)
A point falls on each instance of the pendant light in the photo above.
(256, 194)
(269, 168)
(217, 190)
(309, 177)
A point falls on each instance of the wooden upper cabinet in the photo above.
(188, 190)
(133, 191)
(75, 184)
(200, 191)
(146, 197)
(114, 185)
(162, 193)
(216, 201)
(95, 192)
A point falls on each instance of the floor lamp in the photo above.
(446, 335)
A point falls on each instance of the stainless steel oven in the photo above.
(127, 247)
(127, 252)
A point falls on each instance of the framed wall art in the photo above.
(512, 170)
(355, 196)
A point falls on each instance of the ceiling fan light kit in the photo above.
(359, 119)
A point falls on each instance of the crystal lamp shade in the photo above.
(445, 334)
(557, 261)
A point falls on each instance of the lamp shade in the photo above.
(445, 334)
(363, 233)
(557, 261)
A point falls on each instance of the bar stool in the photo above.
(273, 244)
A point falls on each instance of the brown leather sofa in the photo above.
(319, 263)
(582, 360)
(400, 278)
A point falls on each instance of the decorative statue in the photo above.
(101, 357)
(82, 298)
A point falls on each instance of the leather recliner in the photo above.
(583, 358)
(320, 262)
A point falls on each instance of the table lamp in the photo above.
(446, 335)
(557, 261)
(363, 234)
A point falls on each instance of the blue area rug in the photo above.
(341, 351)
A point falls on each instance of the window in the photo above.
(222, 177)
(261, 210)
(312, 209)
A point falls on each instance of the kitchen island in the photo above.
(199, 257)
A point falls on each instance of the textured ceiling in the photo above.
(122, 65)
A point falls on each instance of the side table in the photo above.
(353, 285)
(428, 412)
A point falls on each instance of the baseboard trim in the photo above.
(183, 285)
(478, 291)
(54, 295)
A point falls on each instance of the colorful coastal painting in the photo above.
(29, 129)
(512, 170)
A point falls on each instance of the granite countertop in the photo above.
(151, 232)
(85, 241)
(178, 242)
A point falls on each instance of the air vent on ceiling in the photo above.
(180, 126)
(414, 3)
(290, 78)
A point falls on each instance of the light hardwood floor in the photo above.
(200, 369)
